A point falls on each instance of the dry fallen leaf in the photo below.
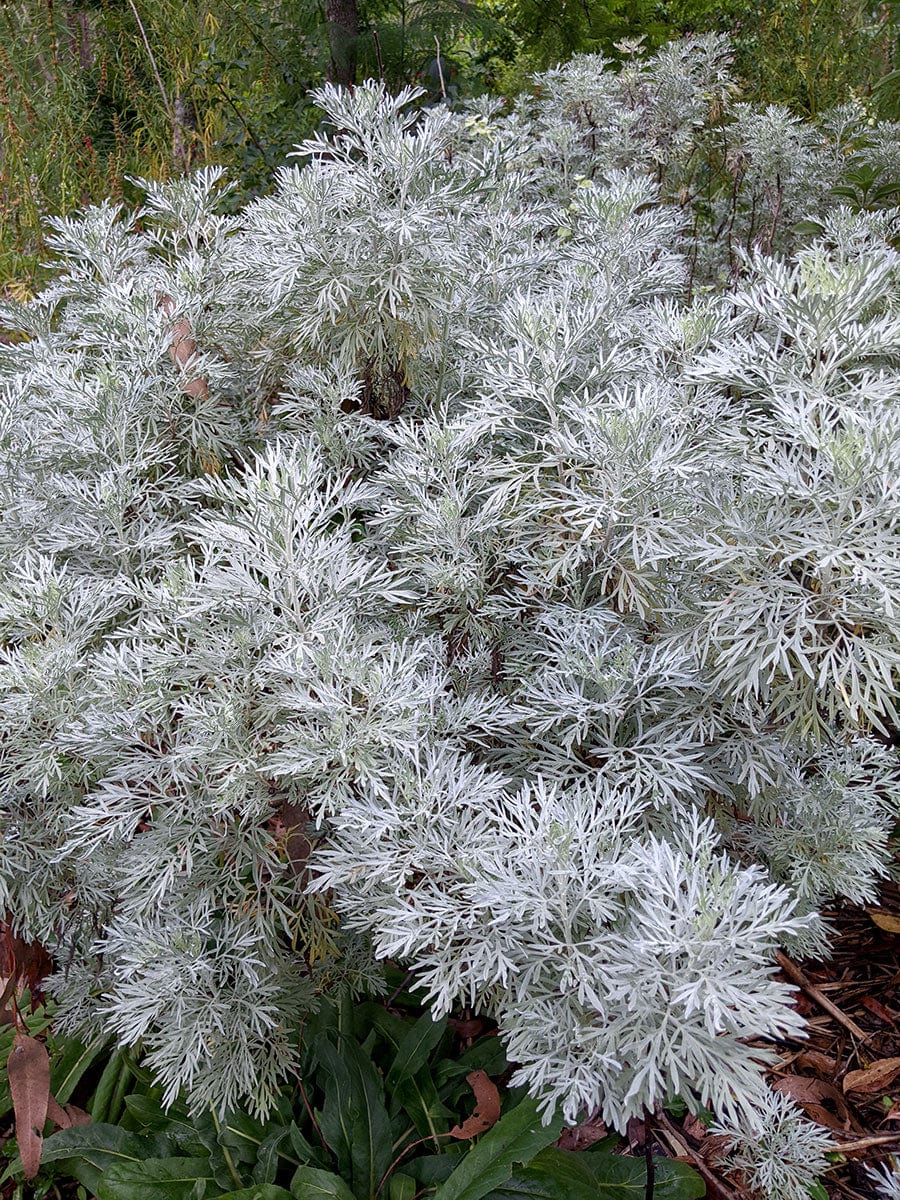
(693, 1127)
(877, 1009)
(182, 349)
(874, 1079)
(812, 1096)
(487, 1107)
(22, 964)
(888, 921)
(58, 1114)
(466, 1029)
(66, 1117)
(714, 1148)
(815, 1060)
(29, 1083)
(582, 1136)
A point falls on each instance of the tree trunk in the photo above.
(342, 19)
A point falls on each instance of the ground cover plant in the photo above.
(482, 555)
(386, 1103)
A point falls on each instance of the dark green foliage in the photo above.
(808, 54)
(94, 93)
(370, 1117)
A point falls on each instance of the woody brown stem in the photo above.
(794, 973)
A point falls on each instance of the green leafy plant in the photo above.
(94, 93)
(377, 1112)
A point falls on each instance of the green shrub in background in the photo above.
(93, 92)
(808, 54)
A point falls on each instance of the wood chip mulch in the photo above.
(846, 1074)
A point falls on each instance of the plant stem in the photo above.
(794, 973)
(229, 1162)
(170, 111)
(648, 1156)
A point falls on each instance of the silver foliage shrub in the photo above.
(548, 590)
(887, 1181)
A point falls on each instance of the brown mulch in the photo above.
(846, 1074)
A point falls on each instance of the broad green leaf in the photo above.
(87, 1151)
(354, 1120)
(311, 1184)
(486, 1055)
(224, 1150)
(414, 1050)
(275, 1144)
(147, 1111)
(67, 1070)
(431, 1169)
(678, 1181)
(261, 1191)
(243, 1135)
(154, 1179)
(619, 1177)
(151, 1116)
(516, 1138)
(809, 228)
(390, 1028)
(564, 1175)
(107, 1086)
(551, 1180)
(336, 1117)
(402, 1187)
(419, 1097)
(304, 1150)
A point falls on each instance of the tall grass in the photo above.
(90, 95)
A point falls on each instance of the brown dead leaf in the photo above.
(812, 1095)
(693, 1127)
(57, 1114)
(714, 1148)
(582, 1136)
(815, 1060)
(466, 1029)
(29, 1083)
(636, 1135)
(66, 1117)
(182, 350)
(888, 921)
(22, 964)
(874, 1079)
(877, 1009)
(487, 1107)
(288, 826)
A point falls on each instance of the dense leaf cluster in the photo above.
(376, 1116)
(529, 548)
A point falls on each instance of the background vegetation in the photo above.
(94, 91)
